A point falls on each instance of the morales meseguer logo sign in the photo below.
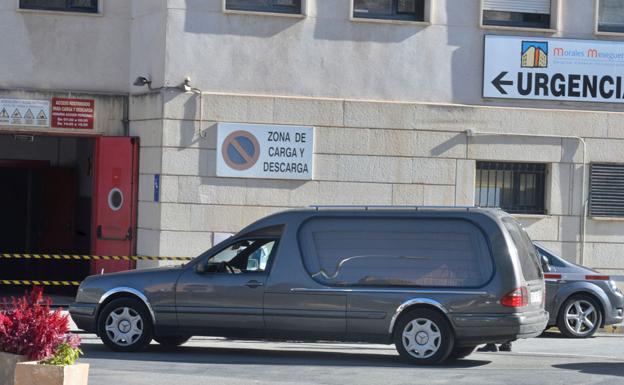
(534, 54)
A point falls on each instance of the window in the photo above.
(413, 10)
(276, 6)
(552, 259)
(87, 6)
(514, 187)
(606, 190)
(517, 13)
(246, 256)
(611, 16)
(395, 252)
(527, 252)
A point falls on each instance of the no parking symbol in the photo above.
(240, 150)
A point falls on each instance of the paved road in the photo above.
(545, 360)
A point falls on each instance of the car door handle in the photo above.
(253, 284)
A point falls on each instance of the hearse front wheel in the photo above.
(423, 337)
(124, 325)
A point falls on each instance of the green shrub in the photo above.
(65, 354)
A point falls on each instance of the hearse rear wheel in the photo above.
(423, 337)
(461, 352)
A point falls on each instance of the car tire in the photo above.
(172, 341)
(461, 352)
(423, 337)
(579, 316)
(125, 325)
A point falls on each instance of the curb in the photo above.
(612, 329)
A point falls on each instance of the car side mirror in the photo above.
(201, 268)
(545, 265)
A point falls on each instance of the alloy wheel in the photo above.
(581, 317)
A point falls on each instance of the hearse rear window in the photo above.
(527, 253)
(395, 252)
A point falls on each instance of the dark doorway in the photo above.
(46, 199)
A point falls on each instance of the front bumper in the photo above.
(83, 315)
(475, 329)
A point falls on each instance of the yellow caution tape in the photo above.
(38, 283)
(91, 257)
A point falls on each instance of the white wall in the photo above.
(327, 55)
(69, 51)
(147, 42)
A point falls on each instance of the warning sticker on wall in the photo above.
(264, 151)
(22, 112)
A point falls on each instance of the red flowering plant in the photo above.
(28, 327)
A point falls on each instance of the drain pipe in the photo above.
(583, 223)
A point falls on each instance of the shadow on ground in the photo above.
(258, 356)
(598, 368)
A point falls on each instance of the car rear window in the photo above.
(396, 252)
(527, 253)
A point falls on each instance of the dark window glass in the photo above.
(516, 19)
(278, 6)
(88, 6)
(514, 187)
(611, 16)
(606, 190)
(552, 259)
(395, 252)
(527, 252)
(247, 256)
(390, 9)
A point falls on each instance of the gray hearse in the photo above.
(434, 281)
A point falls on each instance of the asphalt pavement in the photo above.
(550, 359)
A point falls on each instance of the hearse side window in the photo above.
(395, 252)
(250, 255)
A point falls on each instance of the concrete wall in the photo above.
(68, 51)
(376, 153)
(325, 54)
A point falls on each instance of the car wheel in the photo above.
(423, 337)
(172, 341)
(461, 352)
(125, 325)
(579, 317)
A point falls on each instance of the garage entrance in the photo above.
(66, 196)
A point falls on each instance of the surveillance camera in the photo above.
(186, 86)
(142, 80)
